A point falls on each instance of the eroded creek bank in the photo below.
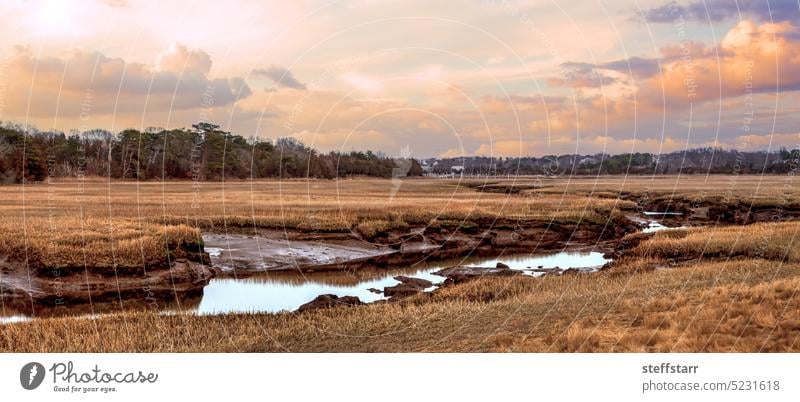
(284, 289)
(30, 290)
(682, 210)
(303, 272)
(248, 252)
(273, 270)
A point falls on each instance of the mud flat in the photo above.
(237, 254)
(243, 253)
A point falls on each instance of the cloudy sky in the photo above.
(443, 78)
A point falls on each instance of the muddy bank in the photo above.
(427, 282)
(500, 187)
(715, 210)
(273, 251)
(680, 210)
(279, 271)
(239, 254)
(54, 291)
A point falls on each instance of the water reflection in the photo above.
(287, 291)
(16, 310)
(14, 318)
(653, 213)
(652, 225)
(277, 291)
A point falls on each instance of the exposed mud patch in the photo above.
(231, 253)
(680, 210)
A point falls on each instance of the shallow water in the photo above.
(651, 213)
(13, 319)
(288, 290)
(654, 225)
(272, 293)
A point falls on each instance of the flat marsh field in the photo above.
(723, 275)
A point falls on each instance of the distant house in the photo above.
(588, 161)
(457, 169)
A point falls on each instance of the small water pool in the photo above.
(653, 213)
(273, 292)
(13, 318)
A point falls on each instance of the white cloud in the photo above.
(362, 82)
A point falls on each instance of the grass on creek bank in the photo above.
(97, 223)
(727, 288)
(73, 242)
(773, 241)
(737, 305)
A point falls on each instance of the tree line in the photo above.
(205, 152)
(202, 152)
(690, 161)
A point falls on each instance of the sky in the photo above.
(425, 78)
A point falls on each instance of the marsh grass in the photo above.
(773, 241)
(741, 305)
(725, 289)
(99, 223)
(92, 242)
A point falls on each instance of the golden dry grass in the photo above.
(341, 205)
(92, 242)
(727, 288)
(728, 318)
(314, 204)
(741, 305)
(755, 189)
(96, 222)
(773, 241)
